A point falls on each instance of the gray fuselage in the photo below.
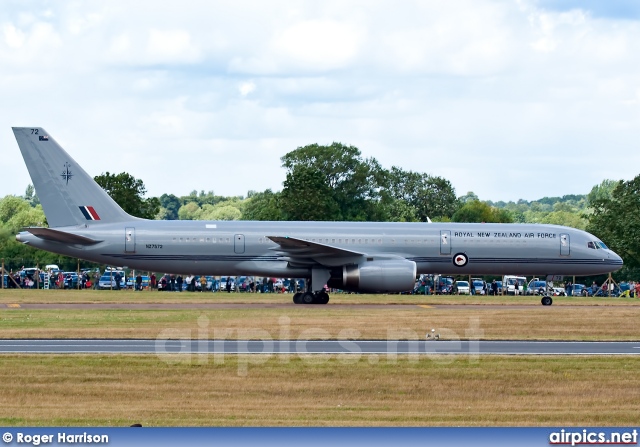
(244, 247)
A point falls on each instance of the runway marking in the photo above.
(425, 306)
(13, 305)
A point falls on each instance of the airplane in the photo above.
(86, 223)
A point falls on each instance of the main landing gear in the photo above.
(546, 301)
(320, 297)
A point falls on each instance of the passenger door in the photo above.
(238, 244)
(130, 240)
(565, 245)
(445, 242)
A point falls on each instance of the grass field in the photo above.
(496, 391)
(127, 296)
(118, 390)
(497, 317)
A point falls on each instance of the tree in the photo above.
(263, 206)
(128, 192)
(189, 211)
(602, 191)
(172, 204)
(10, 206)
(349, 184)
(615, 220)
(224, 212)
(469, 197)
(307, 196)
(426, 197)
(31, 196)
(476, 211)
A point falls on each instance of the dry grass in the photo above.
(112, 390)
(496, 391)
(517, 323)
(127, 296)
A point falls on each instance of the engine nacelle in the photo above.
(392, 275)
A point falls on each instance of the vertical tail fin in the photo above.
(69, 196)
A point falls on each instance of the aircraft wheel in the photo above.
(308, 298)
(297, 298)
(546, 301)
(322, 298)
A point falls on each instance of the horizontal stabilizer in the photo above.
(50, 234)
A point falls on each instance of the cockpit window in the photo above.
(601, 245)
(591, 245)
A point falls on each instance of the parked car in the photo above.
(145, 281)
(243, 283)
(510, 281)
(223, 283)
(580, 290)
(445, 286)
(536, 287)
(70, 280)
(490, 289)
(463, 287)
(478, 286)
(108, 281)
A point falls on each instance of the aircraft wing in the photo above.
(300, 251)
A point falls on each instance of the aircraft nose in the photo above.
(615, 259)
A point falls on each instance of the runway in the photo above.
(303, 347)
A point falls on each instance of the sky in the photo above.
(509, 99)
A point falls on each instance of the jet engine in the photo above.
(382, 275)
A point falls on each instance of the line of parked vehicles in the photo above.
(514, 285)
(115, 278)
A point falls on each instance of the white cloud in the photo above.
(13, 37)
(246, 87)
(171, 46)
(317, 45)
(501, 98)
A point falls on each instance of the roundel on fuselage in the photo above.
(460, 260)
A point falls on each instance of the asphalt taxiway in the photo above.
(303, 347)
